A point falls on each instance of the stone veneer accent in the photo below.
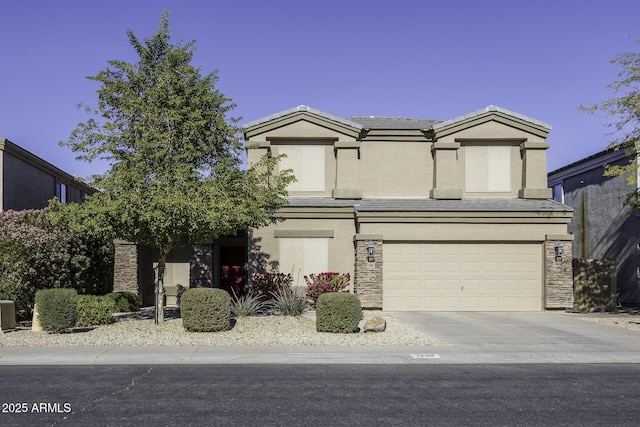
(201, 267)
(367, 283)
(125, 267)
(558, 273)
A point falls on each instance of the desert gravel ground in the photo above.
(628, 320)
(139, 330)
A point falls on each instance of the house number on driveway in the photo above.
(425, 356)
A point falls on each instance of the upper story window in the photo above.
(487, 168)
(308, 165)
(558, 193)
(61, 192)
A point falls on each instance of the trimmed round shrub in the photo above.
(125, 302)
(57, 308)
(94, 310)
(205, 310)
(338, 312)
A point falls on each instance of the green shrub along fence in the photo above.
(206, 310)
(57, 309)
(338, 312)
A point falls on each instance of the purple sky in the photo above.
(429, 59)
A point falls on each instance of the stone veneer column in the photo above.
(558, 272)
(125, 267)
(445, 171)
(201, 267)
(367, 281)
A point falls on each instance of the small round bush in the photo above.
(338, 312)
(57, 308)
(94, 310)
(205, 310)
(126, 302)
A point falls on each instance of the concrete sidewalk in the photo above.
(471, 338)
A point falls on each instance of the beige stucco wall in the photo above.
(463, 232)
(177, 267)
(340, 248)
(396, 169)
(367, 170)
(528, 166)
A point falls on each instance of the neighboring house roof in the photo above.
(588, 163)
(30, 158)
(434, 205)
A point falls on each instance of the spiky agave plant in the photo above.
(287, 302)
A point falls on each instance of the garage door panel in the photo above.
(480, 277)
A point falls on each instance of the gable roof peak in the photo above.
(490, 109)
(303, 109)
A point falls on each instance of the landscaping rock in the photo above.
(375, 324)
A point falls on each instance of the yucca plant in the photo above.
(287, 302)
(247, 305)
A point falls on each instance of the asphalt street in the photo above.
(319, 395)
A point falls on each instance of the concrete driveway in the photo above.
(540, 337)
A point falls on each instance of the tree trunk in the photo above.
(159, 288)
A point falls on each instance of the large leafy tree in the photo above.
(624, 112)
(175, 177)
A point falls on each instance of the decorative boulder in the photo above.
(375, 324)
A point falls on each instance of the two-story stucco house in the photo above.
(424, 214)
(29, 182)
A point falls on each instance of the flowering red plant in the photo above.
(325, 282)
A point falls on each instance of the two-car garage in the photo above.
(462, 276)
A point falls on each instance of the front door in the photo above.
(233, 275)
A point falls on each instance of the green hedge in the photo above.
(126, 302)
(57, 308)
(94, 310)
(338, 312)
(205, 310)
(38, 252)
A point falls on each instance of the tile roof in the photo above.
(433, 205)
(373, 122)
